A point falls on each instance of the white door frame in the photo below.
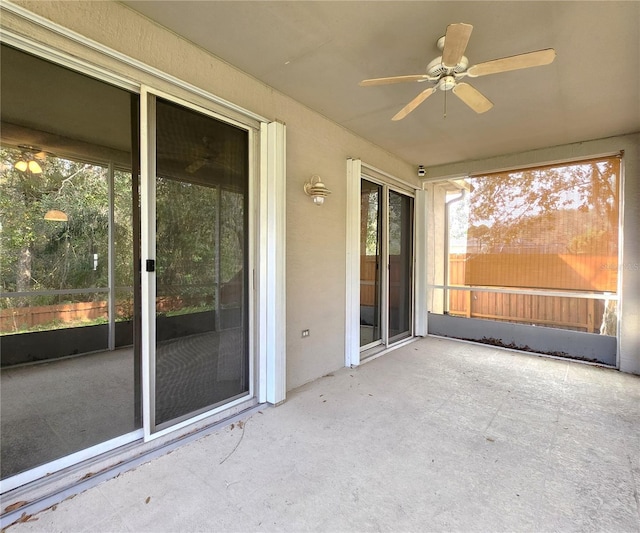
(357, 170)
(267, 353)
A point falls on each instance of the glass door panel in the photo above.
(370, 261)
(400, 265)
(201, 357)
(66, 243)
(386, 267)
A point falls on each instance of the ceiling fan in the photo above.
(201, 154)
(212, 153)
(29, 159)
(446, 71)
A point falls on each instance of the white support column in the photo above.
(420, 294)
(352, 326)
(272, 265)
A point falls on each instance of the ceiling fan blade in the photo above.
(531, 59)
(472, 97)
(455, 43)
(393, 79)
(414, 103)
(195, 166)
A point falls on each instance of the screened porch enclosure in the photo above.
(532, 248)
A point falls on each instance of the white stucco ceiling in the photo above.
(317, 52)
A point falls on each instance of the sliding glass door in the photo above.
(386, 266)
(200, 359)
(69, 378)
(370, 264)
(128, 243)
(400, 265)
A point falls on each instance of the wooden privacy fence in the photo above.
(20, 318)
(563, 312)
(369, 265)
(16, 319)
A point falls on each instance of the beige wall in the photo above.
(316, 236)
(630, 265)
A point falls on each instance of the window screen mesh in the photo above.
(552, 227)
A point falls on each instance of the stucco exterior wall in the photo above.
(629, 268)
(316, 236)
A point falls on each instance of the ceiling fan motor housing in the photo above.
(436, 68)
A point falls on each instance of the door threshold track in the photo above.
(386, 349)
(25, 512)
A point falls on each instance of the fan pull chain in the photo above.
(445, 105)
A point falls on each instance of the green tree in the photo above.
(39, 254)
(507, 203)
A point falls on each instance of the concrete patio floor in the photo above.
(437, 435)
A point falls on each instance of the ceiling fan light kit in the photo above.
(446, 71)
(21, 165)
(28, 160)
(56, 215)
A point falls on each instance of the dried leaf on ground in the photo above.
(14, 506)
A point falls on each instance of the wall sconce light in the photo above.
(316, 189)
(56, 216)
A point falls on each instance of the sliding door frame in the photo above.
(152, 429)
(45, 39)
(356, 171)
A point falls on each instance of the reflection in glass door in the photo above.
(201, 355)
(68, 227)
(400, 264)
(386, 266)
(370, 257)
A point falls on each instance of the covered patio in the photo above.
(438, 435)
